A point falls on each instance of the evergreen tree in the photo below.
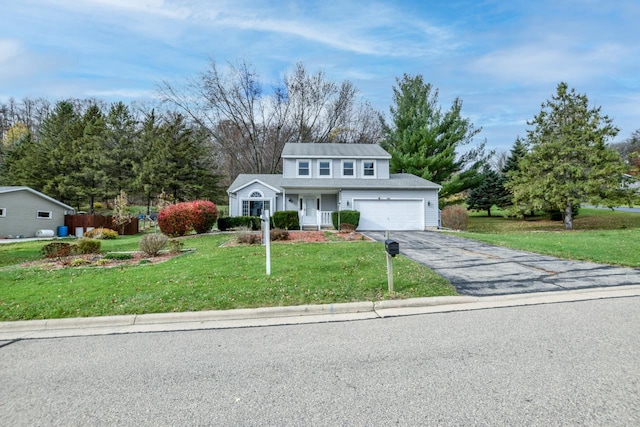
(90, 155)
(121, 150)
(424, 140)
(57, 164)
(490, 192)
(569, 162)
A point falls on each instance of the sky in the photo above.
(502, 58)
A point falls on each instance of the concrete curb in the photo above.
(271, 316)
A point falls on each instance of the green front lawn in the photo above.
(211, 277)
(600, 235)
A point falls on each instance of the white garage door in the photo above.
(390, 214)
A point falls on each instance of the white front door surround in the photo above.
(309, 210)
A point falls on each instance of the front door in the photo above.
(309, 211)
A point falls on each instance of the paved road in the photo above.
(557, 364)
(481, 269)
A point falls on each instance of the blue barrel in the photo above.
(63, 231)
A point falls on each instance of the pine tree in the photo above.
(424, 140)
(569, 162)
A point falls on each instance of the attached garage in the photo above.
(390, 214)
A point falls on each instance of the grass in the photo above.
(211, 277)
(602, 236)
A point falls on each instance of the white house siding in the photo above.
(244, 193)
(21, 214)
(290, 168)
(428, 199)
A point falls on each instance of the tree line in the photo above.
(225, 121)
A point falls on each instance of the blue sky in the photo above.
(503, 58)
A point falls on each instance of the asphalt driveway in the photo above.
(480, 269)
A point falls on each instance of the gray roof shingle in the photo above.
(334, 150)
(395, 181)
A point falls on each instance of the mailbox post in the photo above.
(392, 248)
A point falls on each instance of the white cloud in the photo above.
(549, 62)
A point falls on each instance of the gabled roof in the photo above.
(347, 151)
(396, 181)
(11, 189)
(273, 181)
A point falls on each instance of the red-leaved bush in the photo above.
(180, 219)
(203, 216)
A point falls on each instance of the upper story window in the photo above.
(304, 168)
(369, 169)
(348, 168)
(3, 212)
(255, 194)
(324, 168)
(44, 215)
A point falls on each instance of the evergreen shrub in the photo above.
(229, 222)
(287, 220)
(88, 246)
(346, 217)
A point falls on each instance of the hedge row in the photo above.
(229, 222)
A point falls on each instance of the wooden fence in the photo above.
(85, 222)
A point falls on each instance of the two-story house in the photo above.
(318, 179)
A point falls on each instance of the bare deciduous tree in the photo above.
(250, 124)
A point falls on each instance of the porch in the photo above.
(321, 221)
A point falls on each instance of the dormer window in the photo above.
(369, 169)
(348, 168)
(324, 168)
(304, 168)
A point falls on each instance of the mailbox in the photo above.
(392, 247)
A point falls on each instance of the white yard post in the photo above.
(389, 265)
(267, 238)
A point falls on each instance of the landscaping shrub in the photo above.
(118, 256)
(88, 246)
(101, 234)
(278, 234)
(175, 246)
(229, 222)
(56, 250)
(152, 244)
(346, 217)
(455, 217)
(175, 220)
(287, 220)
(180, 219)
(347, 228)
(246, 236)
(203, 216)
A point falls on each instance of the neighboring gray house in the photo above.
(318, 179)
(24, 211)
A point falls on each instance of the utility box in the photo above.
(392, 247)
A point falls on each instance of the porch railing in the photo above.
(324, 219)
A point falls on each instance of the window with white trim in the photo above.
(3, 212)
(324, 168)
(348, 168)
(44, 215)
(304, 167)
(369, 169)
(255, 205)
